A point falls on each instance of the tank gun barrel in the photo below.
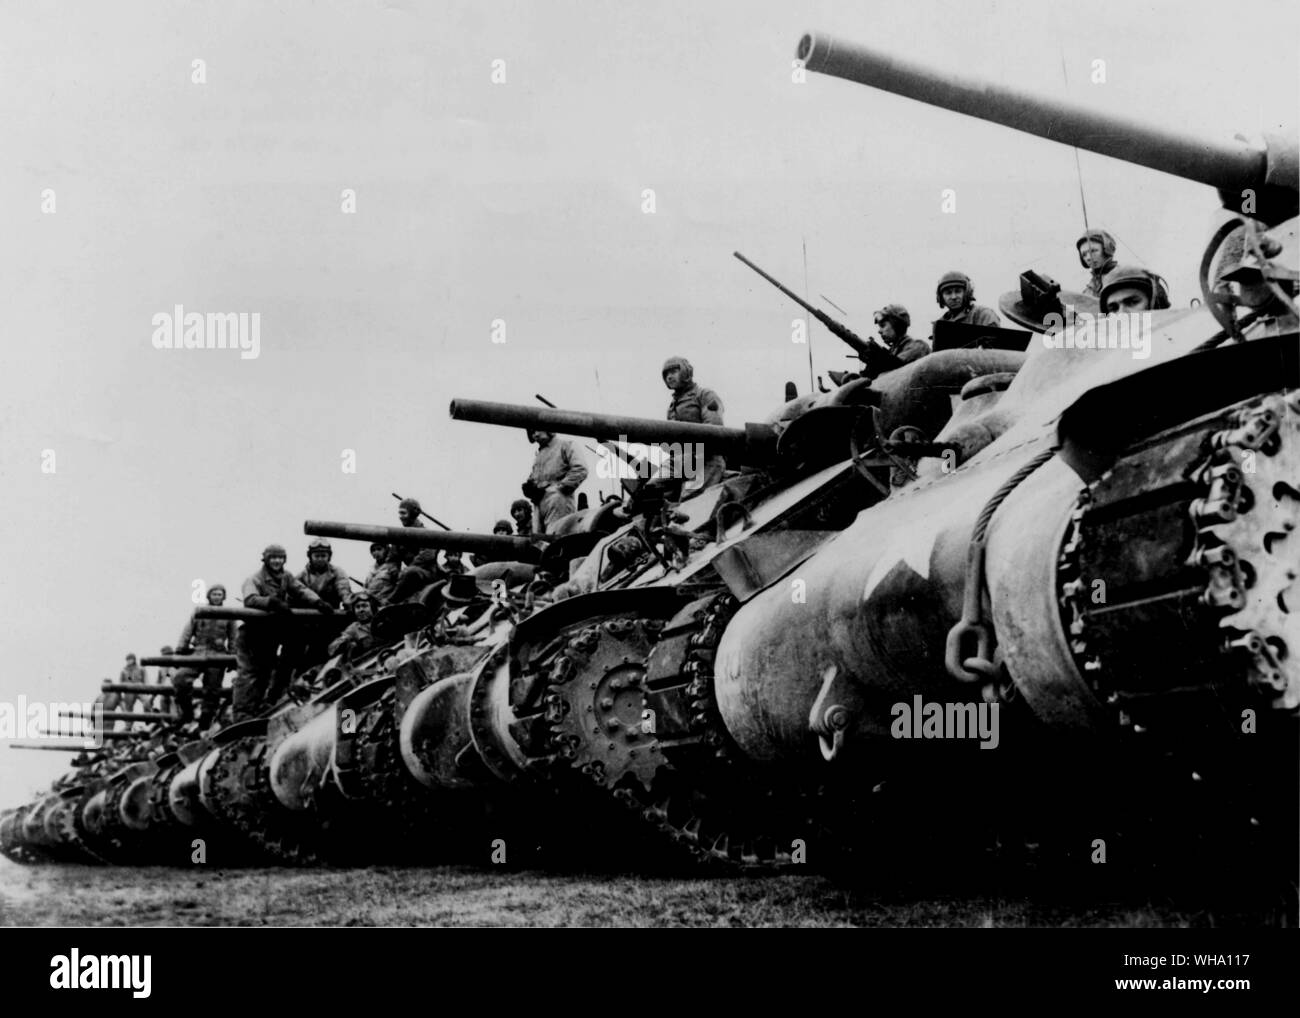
(495, 546)
(143, 688)
(51, 747)
(1227, 166)
(189, 661)
(115, 715)
(754, 444)
(213, 611)
(106, 733)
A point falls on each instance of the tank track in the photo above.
(241, 792)
(701, 798)
(1180, 599)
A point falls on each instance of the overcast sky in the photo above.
(476, 201)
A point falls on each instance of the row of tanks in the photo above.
(1087, 558)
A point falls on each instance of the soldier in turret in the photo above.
(1129, 288)
(408, 512)
(557, 471)
(258, 642)
(501, 528)
(381, 580)
(897, 347)
(206, 636)
(1096, 254)
(422, 571)
(356, 638)
(521, 511)
(694, 404)
(955, 294)
(322, 576)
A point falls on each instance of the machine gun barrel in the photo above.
(1223, 165)
(836, 329)
(190, 661)
(493, 546)
(754, 444)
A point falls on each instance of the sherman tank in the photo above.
(1083, 562)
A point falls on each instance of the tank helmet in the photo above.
(520, 504)
(898, 314)
(362, 595)
(1132, 275)
(954, 278)
(1102, 237)
(273, 550)
(682, 365)
(217, 586)
(320, 544)
(503, 525)
(410, 503)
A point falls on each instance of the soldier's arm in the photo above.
(576, 472)
(253, 598)
(912, 351)
(342, 584)
(710, 407)
(301, 592)
(346, 637)
(986, 316)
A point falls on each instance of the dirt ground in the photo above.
(464, 896)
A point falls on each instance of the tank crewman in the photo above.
(453, 563)
(206, 636)
(331, 583)
(356, 638)
(694, 404)
(1129, 289)
(322, 576)
(521, 511)
(892, 321)
(381, 580)
(557, 471)
(1096, 254)
(131, 672)
(408, 513)
(422, 571)
(955, 294)
(261, 676)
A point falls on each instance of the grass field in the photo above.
(463, 896)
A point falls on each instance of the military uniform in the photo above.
(1097, 277)
(908, 349)
(261, 677)
(381, 581)
(206, 636)
(694, 404)
(973, 314)
(422, 571)
(331, 583)
(357, 638)
(557, 471)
